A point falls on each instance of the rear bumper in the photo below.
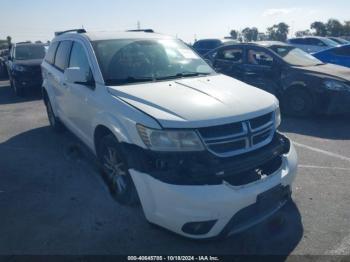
(223, 208)
(25, 80)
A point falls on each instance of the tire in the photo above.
(115, 172)
(298, 102)
(55, 123)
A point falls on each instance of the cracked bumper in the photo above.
(172, 206)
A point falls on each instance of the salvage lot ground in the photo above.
(52, 200)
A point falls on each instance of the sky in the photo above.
(39, 19)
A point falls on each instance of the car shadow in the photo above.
(59, 168)
(329, 127)
(7, 95)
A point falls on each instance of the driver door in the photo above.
(260, 69)
(229, 61)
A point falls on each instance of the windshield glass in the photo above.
(330, 42)
(27, 52)
(295, 56)
(125, 61)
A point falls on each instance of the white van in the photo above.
(198, 149)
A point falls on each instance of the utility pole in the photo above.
(138, 25)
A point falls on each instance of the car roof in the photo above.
(311, 36)
(268, 43)
(110, 35)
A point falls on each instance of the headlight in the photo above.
(170, 140)
(277, 117)
(19, 68)
(335, 85)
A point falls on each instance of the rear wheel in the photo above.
(115, 171)
(298, 102)
(55, 123)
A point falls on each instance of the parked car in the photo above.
(3, 60)
(199, 150)
(23, 67)
(339, 40)
(312, 44)
(303, 84)
(338, 55)
(203, 46)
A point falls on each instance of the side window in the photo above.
(257, 57)
(342, 51)
(50, 55)
(62, 54)
(234, 55)
(79, 59)
(317, 42)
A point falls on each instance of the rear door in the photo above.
(260, 69)
(229, 61)
(58, 82)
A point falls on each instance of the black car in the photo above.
(3, 60)
(204, 46)
(24, 66)
(303, 84)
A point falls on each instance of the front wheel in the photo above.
(298, 102)
(115, 171)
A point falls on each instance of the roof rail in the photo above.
(141, 30)
(78, 31)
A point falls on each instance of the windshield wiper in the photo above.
(128, 80)
(179, 75)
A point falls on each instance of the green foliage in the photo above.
(250, 34)
(278, 32)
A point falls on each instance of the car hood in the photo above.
(31, 62)
(197, 102)
(330, 71)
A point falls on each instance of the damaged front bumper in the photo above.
(196, 198)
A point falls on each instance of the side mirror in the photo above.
(75, 75)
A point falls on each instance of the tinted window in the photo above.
(344, 50)
(315, 41)
(234, 54)
(28, 52)
(79, 59)
(50, 56)
(259, 57)
(62, 54)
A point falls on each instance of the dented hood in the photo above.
(196, 102)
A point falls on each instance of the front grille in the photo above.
(240, 137)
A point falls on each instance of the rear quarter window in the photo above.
(62, 55)
(50, 55)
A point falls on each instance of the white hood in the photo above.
(197, 102)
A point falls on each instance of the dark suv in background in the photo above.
(204, 46)
(24, 66)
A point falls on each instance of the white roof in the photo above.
(106, 35)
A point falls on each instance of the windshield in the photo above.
(295, 56)
(27, 52)
(125, 61)
(340, 40)
(330, 42)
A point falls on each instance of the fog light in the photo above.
(198, 228)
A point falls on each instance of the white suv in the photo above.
(199, 150)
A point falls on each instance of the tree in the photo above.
(303, 33)
(334, 28)
(346, 28)
(278, 32)
(320, 28)
(9, 39)
(250, 34)
(234, 34)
